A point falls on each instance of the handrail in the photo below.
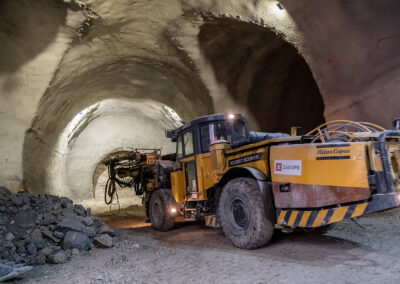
(342, 127)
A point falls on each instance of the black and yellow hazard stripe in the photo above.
(316, 218)
(211, 221)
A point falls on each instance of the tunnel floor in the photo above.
(193, 253)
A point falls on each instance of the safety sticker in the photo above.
(287, 167)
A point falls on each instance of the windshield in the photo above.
(233, 132)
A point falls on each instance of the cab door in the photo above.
(189, 166)
(184, 181)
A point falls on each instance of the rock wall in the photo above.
(352, 50)
(80, 79)
(34, 37)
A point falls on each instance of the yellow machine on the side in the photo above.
(251, 183)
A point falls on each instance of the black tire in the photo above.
(242, 214)
(158, 211)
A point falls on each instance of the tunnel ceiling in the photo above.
(19, 27)
(264, 73)
(102, 66)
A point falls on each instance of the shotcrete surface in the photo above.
(298, 66)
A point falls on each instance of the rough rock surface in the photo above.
(8, 272)
(58, 257)
(76, 240)
(46, 228)
(103, 241)
(117, 67)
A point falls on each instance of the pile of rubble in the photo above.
(46, 228)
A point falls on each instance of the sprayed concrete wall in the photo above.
(79, 80)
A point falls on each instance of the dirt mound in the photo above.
(46, 228)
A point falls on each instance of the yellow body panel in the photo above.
(338, 166)
(188, 159)
(178, 185)
(205, 179)
(261, 165)
(330, 170)
(207, 176)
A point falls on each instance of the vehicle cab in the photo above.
(192, 179)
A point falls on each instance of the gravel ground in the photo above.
(193, 253)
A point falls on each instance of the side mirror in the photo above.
(170, 134)
(396, 123)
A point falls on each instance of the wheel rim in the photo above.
(240, 214)
(156, 212)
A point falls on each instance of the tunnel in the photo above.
(263, 74)
(100, 78)
(124, 146)
(125, 103)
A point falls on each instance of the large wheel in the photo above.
(242, 214)
(159, 217)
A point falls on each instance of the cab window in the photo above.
(191, 181)
(233, 132)
(205, 137)
(184, 146)
(214, 131)
(188, 143)
(179, 152)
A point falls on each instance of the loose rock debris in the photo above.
(11, 271)
(46, 229)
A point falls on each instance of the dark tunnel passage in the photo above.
(264, 73)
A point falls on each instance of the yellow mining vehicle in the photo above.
(252, 183)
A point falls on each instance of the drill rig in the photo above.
(138, 169)
(252, 183)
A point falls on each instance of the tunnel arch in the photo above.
(128, 125)
(255, 61)
(97, 131)
(351, 50)
(173, 79)
(262, 73)
(131, 81)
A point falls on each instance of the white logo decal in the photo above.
(287, 167)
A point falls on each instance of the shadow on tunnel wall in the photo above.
(264, 73)
(26, 28)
